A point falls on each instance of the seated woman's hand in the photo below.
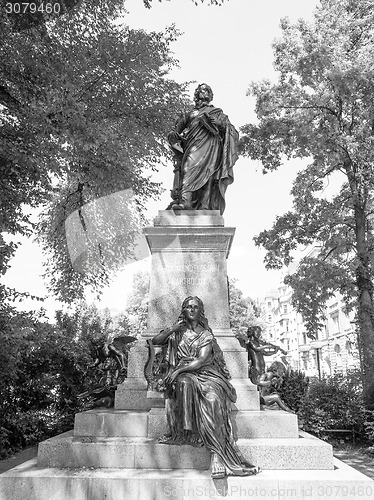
(171, 377)
(178, 326)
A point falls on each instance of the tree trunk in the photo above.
(365, 309)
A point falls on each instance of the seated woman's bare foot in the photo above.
(251, 471)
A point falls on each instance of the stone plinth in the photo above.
(147, 453)
(103, 423)
(27, 482)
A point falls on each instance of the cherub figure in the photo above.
(110, 358)
(115, 351)
(269, 380)
(257, 349)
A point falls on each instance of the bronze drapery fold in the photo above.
(200, 401)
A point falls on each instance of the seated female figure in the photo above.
(198, 391)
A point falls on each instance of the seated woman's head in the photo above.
(193, 308)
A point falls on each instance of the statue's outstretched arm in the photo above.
(192, 366)
(200, 361)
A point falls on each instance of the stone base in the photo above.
(146, 453)
(127, 423)
(28, 482)
(132, 394)
(248, 397)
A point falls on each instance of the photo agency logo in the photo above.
(232, 491)
(108, 234)
(319, 491)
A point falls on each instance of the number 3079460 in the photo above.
(24, 7)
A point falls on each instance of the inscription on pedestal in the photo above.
(177, 275)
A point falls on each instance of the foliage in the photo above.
(243, 311)
(31, 17)
(334, 402)
(85, 105)
(137, 305)
(369, 428)
(44, 368)
(148, 3)
(321, 109)
(293, 388)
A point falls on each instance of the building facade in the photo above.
(334, 349)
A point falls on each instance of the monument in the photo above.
(205, 146)
(116, 453)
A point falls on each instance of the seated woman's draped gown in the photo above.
(200, 401)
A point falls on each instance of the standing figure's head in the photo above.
(203, 95)
(193, 310)
(254, 332)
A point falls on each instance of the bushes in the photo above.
(293, 388)
(334, 402)
(45, 367)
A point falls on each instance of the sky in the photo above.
(227, 47)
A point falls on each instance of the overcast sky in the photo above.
(227, 47)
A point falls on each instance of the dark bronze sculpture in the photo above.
(257, 349)
(198, 391)
(156, 367)
(110, 361)
(205, 146)
(269, 381)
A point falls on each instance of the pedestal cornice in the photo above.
(190, 239)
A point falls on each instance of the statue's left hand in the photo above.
(171, 377)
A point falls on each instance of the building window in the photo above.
(335, 320)
(326, 332)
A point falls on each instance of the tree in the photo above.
(44, 369)
(85, 106)
(321, 109)
(148, 3)
(137, 306)
(243, 311)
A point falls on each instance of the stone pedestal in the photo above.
(189, 255)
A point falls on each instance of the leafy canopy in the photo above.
(321, 109)
(85, 106)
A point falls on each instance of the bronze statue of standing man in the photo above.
(205, 145)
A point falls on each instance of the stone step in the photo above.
(132, 394)
(28, 482)
(112, 423)
(128, 423)
(146, 453)
(264, 424)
